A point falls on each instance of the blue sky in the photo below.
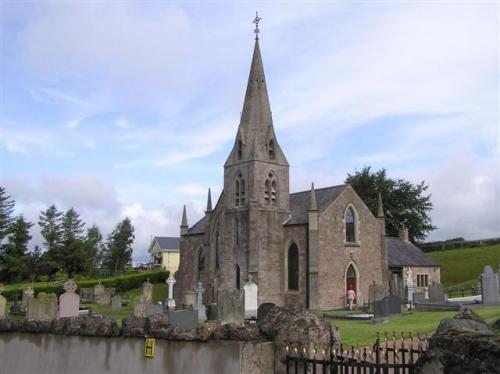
(130, 108)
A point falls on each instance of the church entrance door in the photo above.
(351, 280)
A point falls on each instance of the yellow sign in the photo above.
(149, 348)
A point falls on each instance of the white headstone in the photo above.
(69, 302)
(3, 303)
(251, 298)
(170, 300)
(408, 283)
(27, 293)
(147, 292)
(140, 307)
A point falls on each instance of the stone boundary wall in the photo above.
(52, 354)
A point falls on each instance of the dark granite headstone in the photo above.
(379, 309)
(154, 309)
(212, 312)
(263, 309)
(187, 319)
(418, 298)
(436, 293)
(393, 304)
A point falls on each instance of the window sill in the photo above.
(349, 244)
(292, 292)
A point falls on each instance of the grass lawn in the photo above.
(461, 267)
(364, 332)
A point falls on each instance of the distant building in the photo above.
(165, 253)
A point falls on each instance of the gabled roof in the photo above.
(197, 228)
(167, 242)
(404, 253)
(299, 202)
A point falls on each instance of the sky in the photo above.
(123, 108)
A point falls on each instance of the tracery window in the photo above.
(239, 191)
(271, 150)
(270, 190)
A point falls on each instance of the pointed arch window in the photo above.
(350, 226)
(237, 270)
(201, 262)
(217, 250)
(270, 190)
(239, 151)
(293, 267)
(272, 154)
(239, 191)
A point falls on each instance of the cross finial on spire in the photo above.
(256, 21)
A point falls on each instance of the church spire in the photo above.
(380, 213)
(209, 201)
(312, 199)
(184, 222)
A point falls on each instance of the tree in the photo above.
(6, 210)
(15, 262)
(71, 226)
(404, 202)
(94, 249)
(51, 230)
(118, 251)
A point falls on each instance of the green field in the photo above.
(364, 333)
(461, 267)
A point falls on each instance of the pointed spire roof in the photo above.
(312, 199)
(380, 213)
(184, 222)
(209, 201)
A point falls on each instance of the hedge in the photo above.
(121, 283)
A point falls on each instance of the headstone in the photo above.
(139, 306)
(436, 293)
(375, 292)
(3, 303)
(212, 312)
(418, 298)
(231, 306)
(116, 303)
(202, 314)
(380, 309)
(190, 298)
(69, 302)
(263, 310)
(102, 295)
(489, 286)
(251, 298)
(27, 293)
(408, 284)
(170, 299)
(187, 319)
(393, 303)
(153, 309)
(147, 292)
(42, 308)
(87, 294)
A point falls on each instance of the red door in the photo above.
(351, 280)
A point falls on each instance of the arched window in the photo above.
(239, 191)
(217, 250)
(271, 150)
(240, 149)
(270, 190)
(242, 191)
(293, 267)
(236, 231)
(238, 286)
(201, 262)
(350, 226)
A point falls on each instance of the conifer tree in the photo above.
(15, 261)
(6, 210)
(118, 251)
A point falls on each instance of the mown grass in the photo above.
(364, 333)
(461, 267)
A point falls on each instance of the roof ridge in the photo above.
(319, 189)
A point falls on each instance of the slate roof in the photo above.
(299, 202)
(404, 253)
(168, 242)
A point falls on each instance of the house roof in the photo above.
(299, 205)
(168, 242)
(404, 253)
(299, 202)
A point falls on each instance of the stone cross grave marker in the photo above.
(231, 306)
(42, 308)
(408, 284)
(202, 313)
(116, 303)
(69, 302)
(489, 286)
(147, 292)
(436, 293)
(251, 298)
(3, 303)
(170, 299)
(27, 294)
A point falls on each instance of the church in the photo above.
(306, 248)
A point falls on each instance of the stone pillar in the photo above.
(313, 245)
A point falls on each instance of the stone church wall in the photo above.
(336, 255)
(187, 276)
(298, 235)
